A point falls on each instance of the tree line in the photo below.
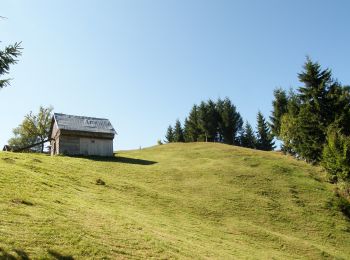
(313, 121)
(220, 122)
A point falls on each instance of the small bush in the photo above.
(341, 200)
(343, 189)
(159, 142)
(336, 156)
(341, 204)
(100, 182)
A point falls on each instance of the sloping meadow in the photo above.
(196, 200)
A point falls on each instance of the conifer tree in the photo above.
(208, 120)
(169, 136)
(248, 138)
(312, 110)
(187, 137)
(316, 85)
(178, 132)
(264, 137)
(191, 126)
(8, 57)
(280, 107)
(311, 134)
(229, 122)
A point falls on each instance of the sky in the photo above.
(143, 64)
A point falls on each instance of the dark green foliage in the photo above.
(315, 90)
(302, 124)
(208, 120)
(178, 132)
(264, 137)
(340, 203)
(8, 57)
(230, 121)
(303, 135)
(169, 136)
(336, 155)
(248, 138)
(316, 126)
(191, 127)
(316, 109)
(311, 133)
(294, 104)
(280, 107)
(339, 104)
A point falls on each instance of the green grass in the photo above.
(170, 201)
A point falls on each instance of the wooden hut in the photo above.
(80, 135)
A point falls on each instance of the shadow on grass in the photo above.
(20, 254)
(59, 256)
(118, 159)
(133, 161)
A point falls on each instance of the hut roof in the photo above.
(83, 123)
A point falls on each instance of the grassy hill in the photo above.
(171, 201)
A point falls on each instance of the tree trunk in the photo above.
(42, 146)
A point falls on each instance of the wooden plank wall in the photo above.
(69, 145)
(75, 145)
(55, 143)
(96, 146)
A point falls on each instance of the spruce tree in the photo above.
(187, 136)
(315, 111)
(264, 137)
(178, 132)
(316, 85)
(169, 136)
(280, 107)
(8, 57)
(208, 120)
(311, 135)
(336, 155)
(229, 121)
(248, 138)
(191, 127)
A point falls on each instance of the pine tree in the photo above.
(169, 137)
(313, 111)
(229, 121)
(264, 137)
(311, 134)
(7, 58)
(178, 132)
(280, 107)
(316, 85)
(336, 155)
(248, 138)
(208, 120)
(191, 126)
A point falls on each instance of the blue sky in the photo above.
(143, 64)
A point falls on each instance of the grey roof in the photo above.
(83, 123)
